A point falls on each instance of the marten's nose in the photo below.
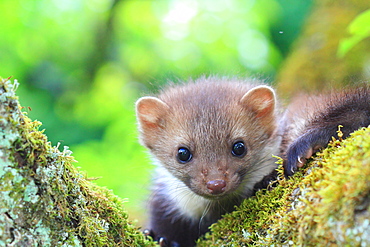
(216, 186)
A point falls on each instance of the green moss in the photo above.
(327, 203)
(46, 201)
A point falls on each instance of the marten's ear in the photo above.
(150, 112)
(261, 100)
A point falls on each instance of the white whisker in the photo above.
(205, 212)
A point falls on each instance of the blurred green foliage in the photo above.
(83, 63)
(359, 30)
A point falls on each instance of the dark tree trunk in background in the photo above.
(313, 63)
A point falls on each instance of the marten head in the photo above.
(213, 135)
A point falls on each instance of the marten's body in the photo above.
(213, 142)
(311, 121)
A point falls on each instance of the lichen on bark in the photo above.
(45, 200)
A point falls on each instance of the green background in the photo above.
(82, 64)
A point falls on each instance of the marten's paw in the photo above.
(303, 148)
(163, 242)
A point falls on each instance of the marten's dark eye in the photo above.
(184, 155)
(238, 149)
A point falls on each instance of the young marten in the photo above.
(213, 141)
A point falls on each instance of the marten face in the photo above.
(212, 137)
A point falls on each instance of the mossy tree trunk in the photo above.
(327, 203)
(45, 201)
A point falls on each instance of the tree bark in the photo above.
(45, 200)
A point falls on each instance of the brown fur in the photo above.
(311, 121)
(208, 116)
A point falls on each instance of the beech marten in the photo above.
(213, 142)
